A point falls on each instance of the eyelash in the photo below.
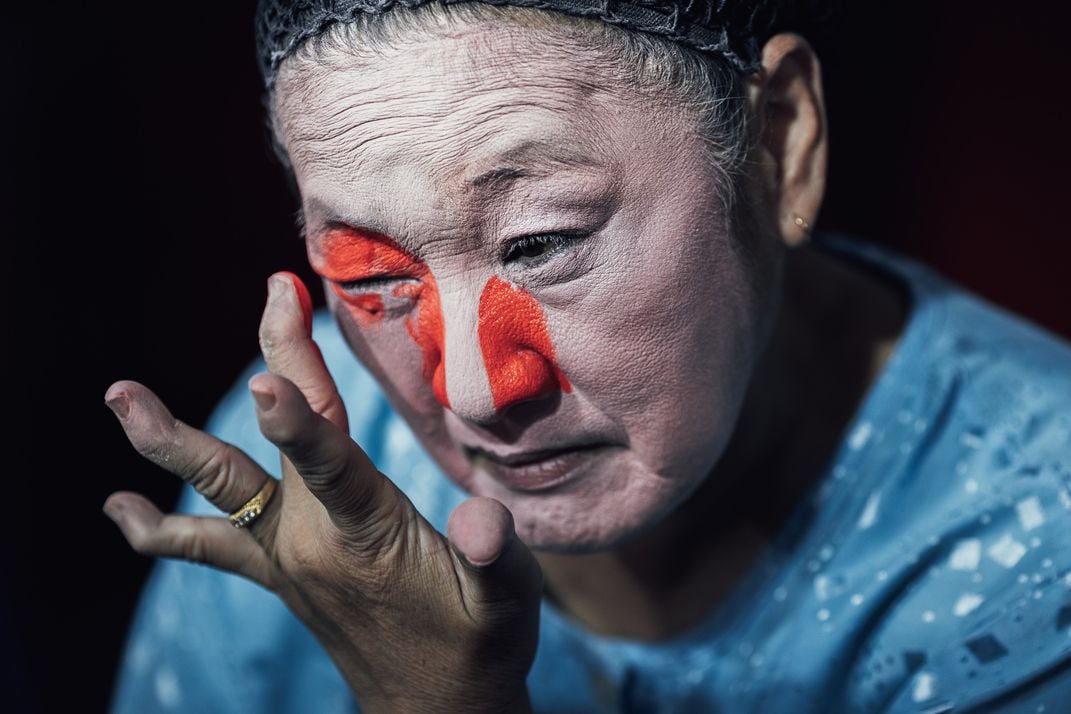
(557, 240)
(513, 252)
(368, 284)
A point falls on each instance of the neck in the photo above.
(837, 327)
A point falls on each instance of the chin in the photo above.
(597, 507)
(582, 530)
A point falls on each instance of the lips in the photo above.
(536, 470)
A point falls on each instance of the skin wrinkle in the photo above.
(654, 71)
(422, 118)
(583, 91)
(588, 209)
(501, 78)
(664, 319)
(645, 478)
(581, 194)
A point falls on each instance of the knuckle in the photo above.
(266, 528)
(275, 340)
(141, 542)
(333, 469)
(321, 462)
(322, 397)
(158, 446)
(381, 533)
(357, 505)
(189, 542)
(288, 435)
(213, 475)
(290, 432)
(379, 576)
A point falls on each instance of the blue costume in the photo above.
(928, 570)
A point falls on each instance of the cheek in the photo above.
(423, 325)
(662, 345)
(426, 329)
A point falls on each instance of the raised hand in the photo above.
(414, 622)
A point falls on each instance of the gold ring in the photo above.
(255, 506)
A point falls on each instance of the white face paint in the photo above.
(624, 333)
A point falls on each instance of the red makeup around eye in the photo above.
(359, 255)
(516, 346)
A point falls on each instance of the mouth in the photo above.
(536, 470)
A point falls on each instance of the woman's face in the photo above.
(535, 265)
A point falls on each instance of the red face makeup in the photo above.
(353, 256)
(517, 352)
(516, 347)
(656, 315)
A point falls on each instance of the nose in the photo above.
(515, 343)
(466, 390)
(510, 361)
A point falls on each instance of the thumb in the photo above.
(500, 578)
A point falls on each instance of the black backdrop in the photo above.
(147, 213)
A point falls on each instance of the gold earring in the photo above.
(803, 225)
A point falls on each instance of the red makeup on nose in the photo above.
(516, 346)
(512, 330)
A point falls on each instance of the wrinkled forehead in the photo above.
(449, 103)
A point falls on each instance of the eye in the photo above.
(537, 249)
(379, 283)
(380, 295)
(388, 292)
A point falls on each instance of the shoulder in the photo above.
(1001, 412)
(993, 398)
(969, 525)
(969, 382)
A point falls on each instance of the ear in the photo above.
(789, 111)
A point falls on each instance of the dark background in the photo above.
(147, 211)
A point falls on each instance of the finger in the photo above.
(361, 502)
(501, 581)
(223, 474)
(211, 541)
(287, 345)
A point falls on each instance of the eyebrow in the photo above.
(325, 220)
(533, 158)
(530, 159)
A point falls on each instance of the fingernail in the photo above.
(113, 511)
(304, 299)
(119, 405)
(277, 287)
(265, 400)
(473, 564)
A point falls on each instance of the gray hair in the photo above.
(656, 67)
